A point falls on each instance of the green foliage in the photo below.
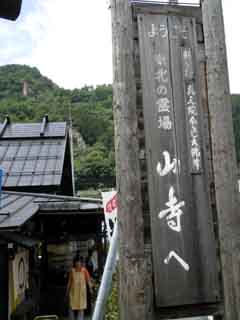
(96, 161)
(94, 122)
(13, 76)
(90, 109)
(91, 112)
(112, 312)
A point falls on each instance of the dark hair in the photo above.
(90, 252)
(78, 259)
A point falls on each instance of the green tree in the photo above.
(89, 107)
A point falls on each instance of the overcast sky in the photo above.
(70, 41)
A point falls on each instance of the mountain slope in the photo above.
(26, 96)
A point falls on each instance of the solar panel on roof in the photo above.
(36, 181)
(33, 130)
(11, 181)
(12, 151)
(24, 160)
(29, 166)
(17, 166)
(23, 150)
(25, 180)
(6, 165)
(48, 179)
(32, 159)
(51, 164)
(34, 149)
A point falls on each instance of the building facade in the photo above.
(42, 224)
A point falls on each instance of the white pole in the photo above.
(105, 286)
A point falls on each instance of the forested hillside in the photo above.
(26, 96)
(89, 108)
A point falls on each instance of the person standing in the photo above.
(78, 280)
(92, 262)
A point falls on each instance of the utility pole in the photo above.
(130, 214)
(224, 155)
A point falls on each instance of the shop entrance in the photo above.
(80, 235)
(60, 258)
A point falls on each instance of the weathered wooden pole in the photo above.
(131, 227)
(224, 155)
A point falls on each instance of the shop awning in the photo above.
(19, 239)
(16, 208)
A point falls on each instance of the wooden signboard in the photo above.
(183, 242)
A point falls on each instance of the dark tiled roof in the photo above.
(16, 208)
(33, 130)
(31, 159)
(32, 162)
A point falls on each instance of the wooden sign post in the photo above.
(175, 177)
(130, 215)
(224, 155)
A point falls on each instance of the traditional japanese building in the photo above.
(36, 157)
(42, 223)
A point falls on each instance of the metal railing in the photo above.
(105, 286)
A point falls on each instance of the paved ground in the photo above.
(85, 318)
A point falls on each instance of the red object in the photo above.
(111, 205)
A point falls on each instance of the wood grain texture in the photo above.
(224, 157)
(151, 8)
(158, 139)
(137, 289)
(196, 242)
(131, 227)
